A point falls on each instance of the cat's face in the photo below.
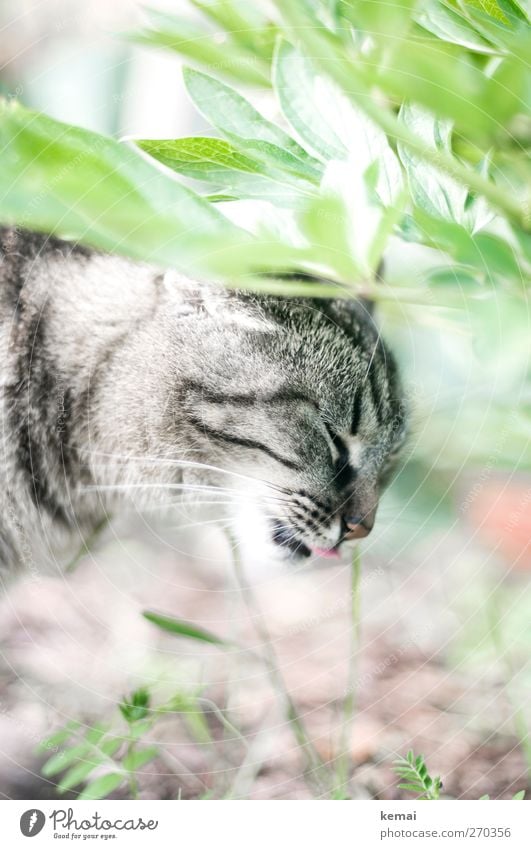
(301, 404)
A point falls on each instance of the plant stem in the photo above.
(328, 54)
(131, 774)
(315, 766)
(87, 544)
(350, 700)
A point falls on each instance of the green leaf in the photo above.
(491, 255)
(426, 70)
(78, 773)
(518, 796)
(60, 761)
(247, 24)
(135, 759)
(282, 160)
(352, 236)
(218, 161)
(137, 730)
(478, 104)
(498, 256)
(110, 746)
(103, 786)
(182, 629)
(453, 277)
(199, 157)
(325, 223)
(57, 737)
(136, 706)
(193, 716)
(518, 8)
(478, 213)
(504, 358)
(204, 47)
(328, 123)
(95, 734)
(436, 193)
(449, 25)
(234, 116)
(221, 197)
(295, 86)
(379, 17)
(80, 185)
(490, 7)
(415, 777)
(524, 243)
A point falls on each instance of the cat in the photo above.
(119, 379)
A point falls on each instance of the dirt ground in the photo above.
(426, 678)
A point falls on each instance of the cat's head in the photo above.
(300, 404)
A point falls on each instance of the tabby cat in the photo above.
(119, 379)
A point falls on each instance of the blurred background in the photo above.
(445, 592)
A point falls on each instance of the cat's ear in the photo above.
(350, 312)
(367, 305)
(183, 297)
(186, 298)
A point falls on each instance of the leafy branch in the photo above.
(101, 758)
(329, 55)
(415, 777)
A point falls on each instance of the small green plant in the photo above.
(334, 780)
(136, 707)
(102, 757)
(516, 798)
(105, 757)
(415, 778)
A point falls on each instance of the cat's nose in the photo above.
(354, 527)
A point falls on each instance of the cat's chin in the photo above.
(260, 553)
(289, 544)
(293, 548)
(267, 545)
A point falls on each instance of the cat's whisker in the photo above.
(371, 358)
(227, 522)
(148, 485)
(224, 522)
(235, 495)
(193, 465)
(296, 533)
(193, 505)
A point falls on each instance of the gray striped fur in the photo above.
(114, 373)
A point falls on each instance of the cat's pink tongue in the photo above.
(331, 553)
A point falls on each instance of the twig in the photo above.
(87, 544)
(350, 700)
(315, 766)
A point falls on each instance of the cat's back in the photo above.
(63, 310)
